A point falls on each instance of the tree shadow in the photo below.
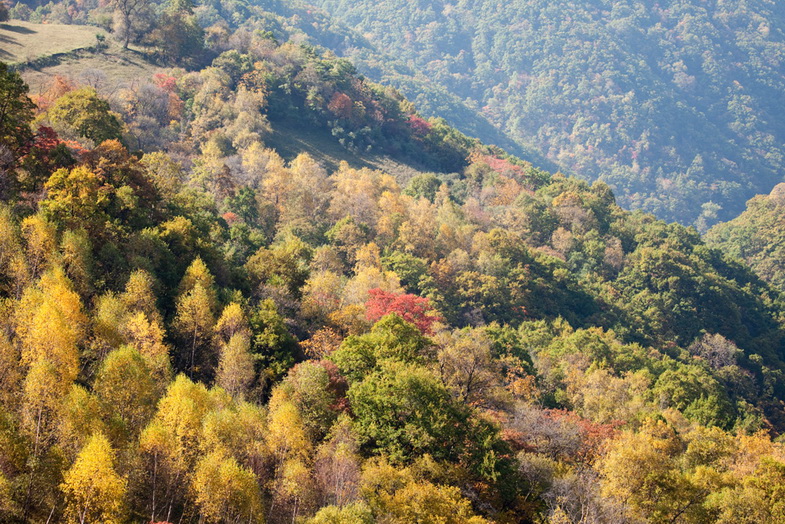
(17, 29)
(6, 42)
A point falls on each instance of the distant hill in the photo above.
(672, 104)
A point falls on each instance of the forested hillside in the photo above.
(400, 325)
(757, 236)
(673, 104)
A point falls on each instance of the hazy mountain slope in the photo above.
(674, 105)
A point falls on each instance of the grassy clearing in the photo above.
(22, 41)
(106, 71)
(289, 140)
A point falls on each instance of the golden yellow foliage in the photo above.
(93, 490)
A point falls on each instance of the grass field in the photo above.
(107, 71)
(289, 140)
(22, 41)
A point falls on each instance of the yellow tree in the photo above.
(148, 338)
(93, 490)
(195, 319)
(79, 418)
(641, 470)
(10, 373)
(13, 266)
(467, 367)
(76, 197)
(288, 441)
(226, 491)
(77, 259)
(139, 295)
(126, 389)
(42, 393)
(50, 324)
(40, 243)
(238, 430)
(397, 495)
(232, 322)
(198, 274)
(170, 444)
(236, 366)
(303, 202)
(194, 325)
(107, 319)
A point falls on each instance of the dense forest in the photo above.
(195, 327)
(672, 104)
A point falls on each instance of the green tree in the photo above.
(404, 411)
(16, 112)
(392, 338)
(85, 114)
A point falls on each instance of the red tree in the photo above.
(419, 126)
(411, 308)
(341, 106)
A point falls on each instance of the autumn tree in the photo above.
(195, 317)
(128, 10)
(93, 490)
(40, 240)
(291, 448)
(236, 365)
(126, 389)
(13, 266)
(642, 471)
(170, 445)
(398, 495)
(79, 418)
(147, 337)
(76, 197)
(411, 308)
(11, 373)
(468, 367)
(226, 491)
(139, 295)
(50, 322)
(337, 464)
